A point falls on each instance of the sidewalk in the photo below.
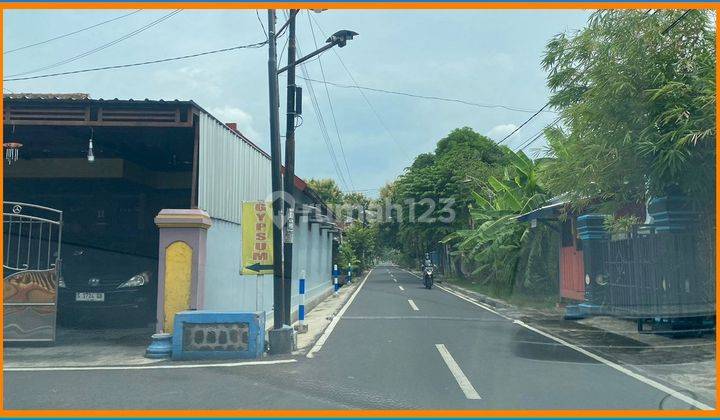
(126, 347)
(321, 315)
(686, 363)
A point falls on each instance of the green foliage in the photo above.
(436, 189)
(637, 108)
(327, 189)
(359, 247)
(620, 224)
(497, 241)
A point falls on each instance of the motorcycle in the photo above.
(428, 277)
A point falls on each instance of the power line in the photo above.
(142, 63)
(672, 25)
(525, 122)
(101, 47)
(71, 33)
(665, 31)
(429, 97)
(367, 101)
(332, 109)
(323, 128)
(321, 122)
(262, 25)
(536, 136)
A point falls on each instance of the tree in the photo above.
(435, 191)
(327, 189)
(637, 103)
(497, 241)
(359, 246)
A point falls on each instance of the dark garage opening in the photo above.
(110, 242)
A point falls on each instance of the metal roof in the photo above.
(85, 98)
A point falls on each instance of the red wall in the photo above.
(572, 273)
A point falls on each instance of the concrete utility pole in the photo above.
(289, 167)
(280, 337)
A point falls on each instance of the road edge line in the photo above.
(329, 329)
(147, 367)
(618, 367)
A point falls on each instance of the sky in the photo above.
(488, 57)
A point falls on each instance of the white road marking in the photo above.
(657, 385)
(412, 305)
(146, 367)
(401, 288)
(467, 388)
(323, 338)
(395, 280)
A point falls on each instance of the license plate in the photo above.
(89, 297)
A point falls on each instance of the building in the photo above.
(111, 165)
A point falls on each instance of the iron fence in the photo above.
(653, 274)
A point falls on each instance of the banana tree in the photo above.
(495, 242)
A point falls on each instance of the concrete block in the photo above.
(203, 335)
(282, 340)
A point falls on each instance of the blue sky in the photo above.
(487, 57)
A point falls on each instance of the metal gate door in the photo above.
(31, 269)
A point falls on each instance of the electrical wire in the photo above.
(321, 122)
(536, 136)
(71, 33)
(323, 130)
(434, 98)
(524, 123)
(142, 63)
(665, 31)
(332, 109)
(257, 13)
(672, 25)
(101, 47)
(367, 101)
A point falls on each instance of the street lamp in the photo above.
(339, 38)
(281, 334)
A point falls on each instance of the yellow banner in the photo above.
(257, 239)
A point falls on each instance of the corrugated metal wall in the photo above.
(230, 171)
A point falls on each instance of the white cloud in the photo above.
(244, 121)
(500, 131)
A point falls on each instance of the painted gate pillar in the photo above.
(591, 231)
(181, 263)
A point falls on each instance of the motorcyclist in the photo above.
(427, 262)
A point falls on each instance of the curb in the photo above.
(495, 303)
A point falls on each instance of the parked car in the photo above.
(104, 287)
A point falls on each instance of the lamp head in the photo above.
(341, 37)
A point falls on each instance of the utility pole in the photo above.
(280, 338)
(289, 167)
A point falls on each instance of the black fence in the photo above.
(659, 274)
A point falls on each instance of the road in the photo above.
(396, 346)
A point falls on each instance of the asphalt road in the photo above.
(397, 346)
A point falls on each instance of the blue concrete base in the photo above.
(573, 312)
(205, 335)
(160, 347)
(589, 309)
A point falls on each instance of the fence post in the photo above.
(336, 283)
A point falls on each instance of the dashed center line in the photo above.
(401, 288)
(413, 305)
(467, 388)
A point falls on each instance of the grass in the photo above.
(513, 298)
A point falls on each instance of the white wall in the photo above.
(227, 290)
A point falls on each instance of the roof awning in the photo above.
(548, 212)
